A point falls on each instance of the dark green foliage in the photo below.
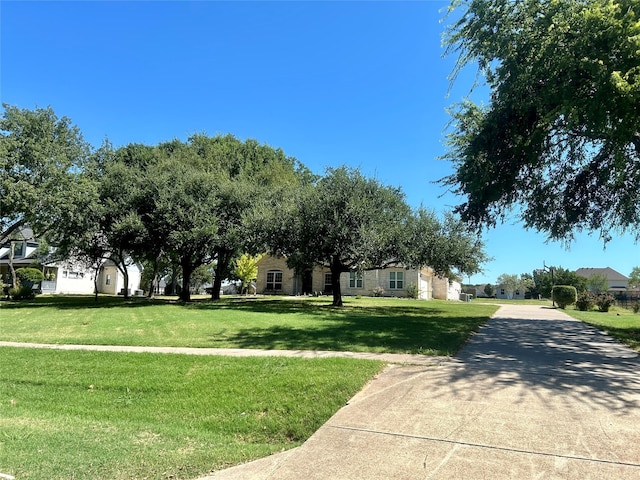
(544, 280)
(585, 301)
(564, 295)
(23, 292)
(560, 134)
(604, 301)
(29, 276)
(489, 291)
(347, 222)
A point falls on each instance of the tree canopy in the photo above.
(201, 203)
(559, 138)
(41, 157)
(349, 222)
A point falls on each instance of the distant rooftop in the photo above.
(607, 272)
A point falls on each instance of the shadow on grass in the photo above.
(360, 325)
(423, 328)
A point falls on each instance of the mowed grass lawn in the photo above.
(362, 325)
(89, 415)
(620, 323)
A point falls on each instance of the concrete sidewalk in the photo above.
(535, 394)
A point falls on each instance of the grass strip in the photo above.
(88, 415)
(619, 323)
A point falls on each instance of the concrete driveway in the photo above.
(534, 395)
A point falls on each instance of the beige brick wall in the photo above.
(428, 286)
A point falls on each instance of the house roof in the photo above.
(607, 272)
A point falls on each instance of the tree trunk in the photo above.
(95, 282)
(187, 270)
(221, 272)
(154, 279)
(121, 264)
(336, 270)
(14, 280)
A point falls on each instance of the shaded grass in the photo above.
(367, 324)
(88, 415)
(620, 323)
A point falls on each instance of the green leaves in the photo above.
(560, 135)
(40, 158)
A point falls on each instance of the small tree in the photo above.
(634, 278)
(246, 269)
(564, 295)
(598, 284)
(489, 291)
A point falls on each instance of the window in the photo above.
(274, 280)
(502, 291)
(18, 249)
(396, 280)
(355, 279)
(328, 285)
(108, 279)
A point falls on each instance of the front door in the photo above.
(307, 283)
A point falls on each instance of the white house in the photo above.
(68, 276)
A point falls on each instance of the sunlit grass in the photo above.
(620, 323)
(96, 415)
(362, 325)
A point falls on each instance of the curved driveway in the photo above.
(534, 395)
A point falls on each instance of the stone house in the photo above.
(275, 277)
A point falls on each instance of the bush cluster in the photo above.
(23, 292)
(587, 300)
(604, 301)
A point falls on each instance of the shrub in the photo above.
(378, 291)
(413, 291)
(636, 307)
(604, 301)
(585, 301)
(564, 295)
(23, 292)
(29, 276)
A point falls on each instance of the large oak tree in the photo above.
(41, 159)
(348, 222)
(560, 137)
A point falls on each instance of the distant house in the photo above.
(64, 277)
(617, 281)
(111, 279)
(478, 291)
(505, 294)
(275, 277)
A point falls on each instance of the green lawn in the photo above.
(620, 323)
(97, 415)
(87, 415)
(362, 325)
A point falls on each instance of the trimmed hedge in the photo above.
(564, 295)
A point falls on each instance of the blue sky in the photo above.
(359, 83)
